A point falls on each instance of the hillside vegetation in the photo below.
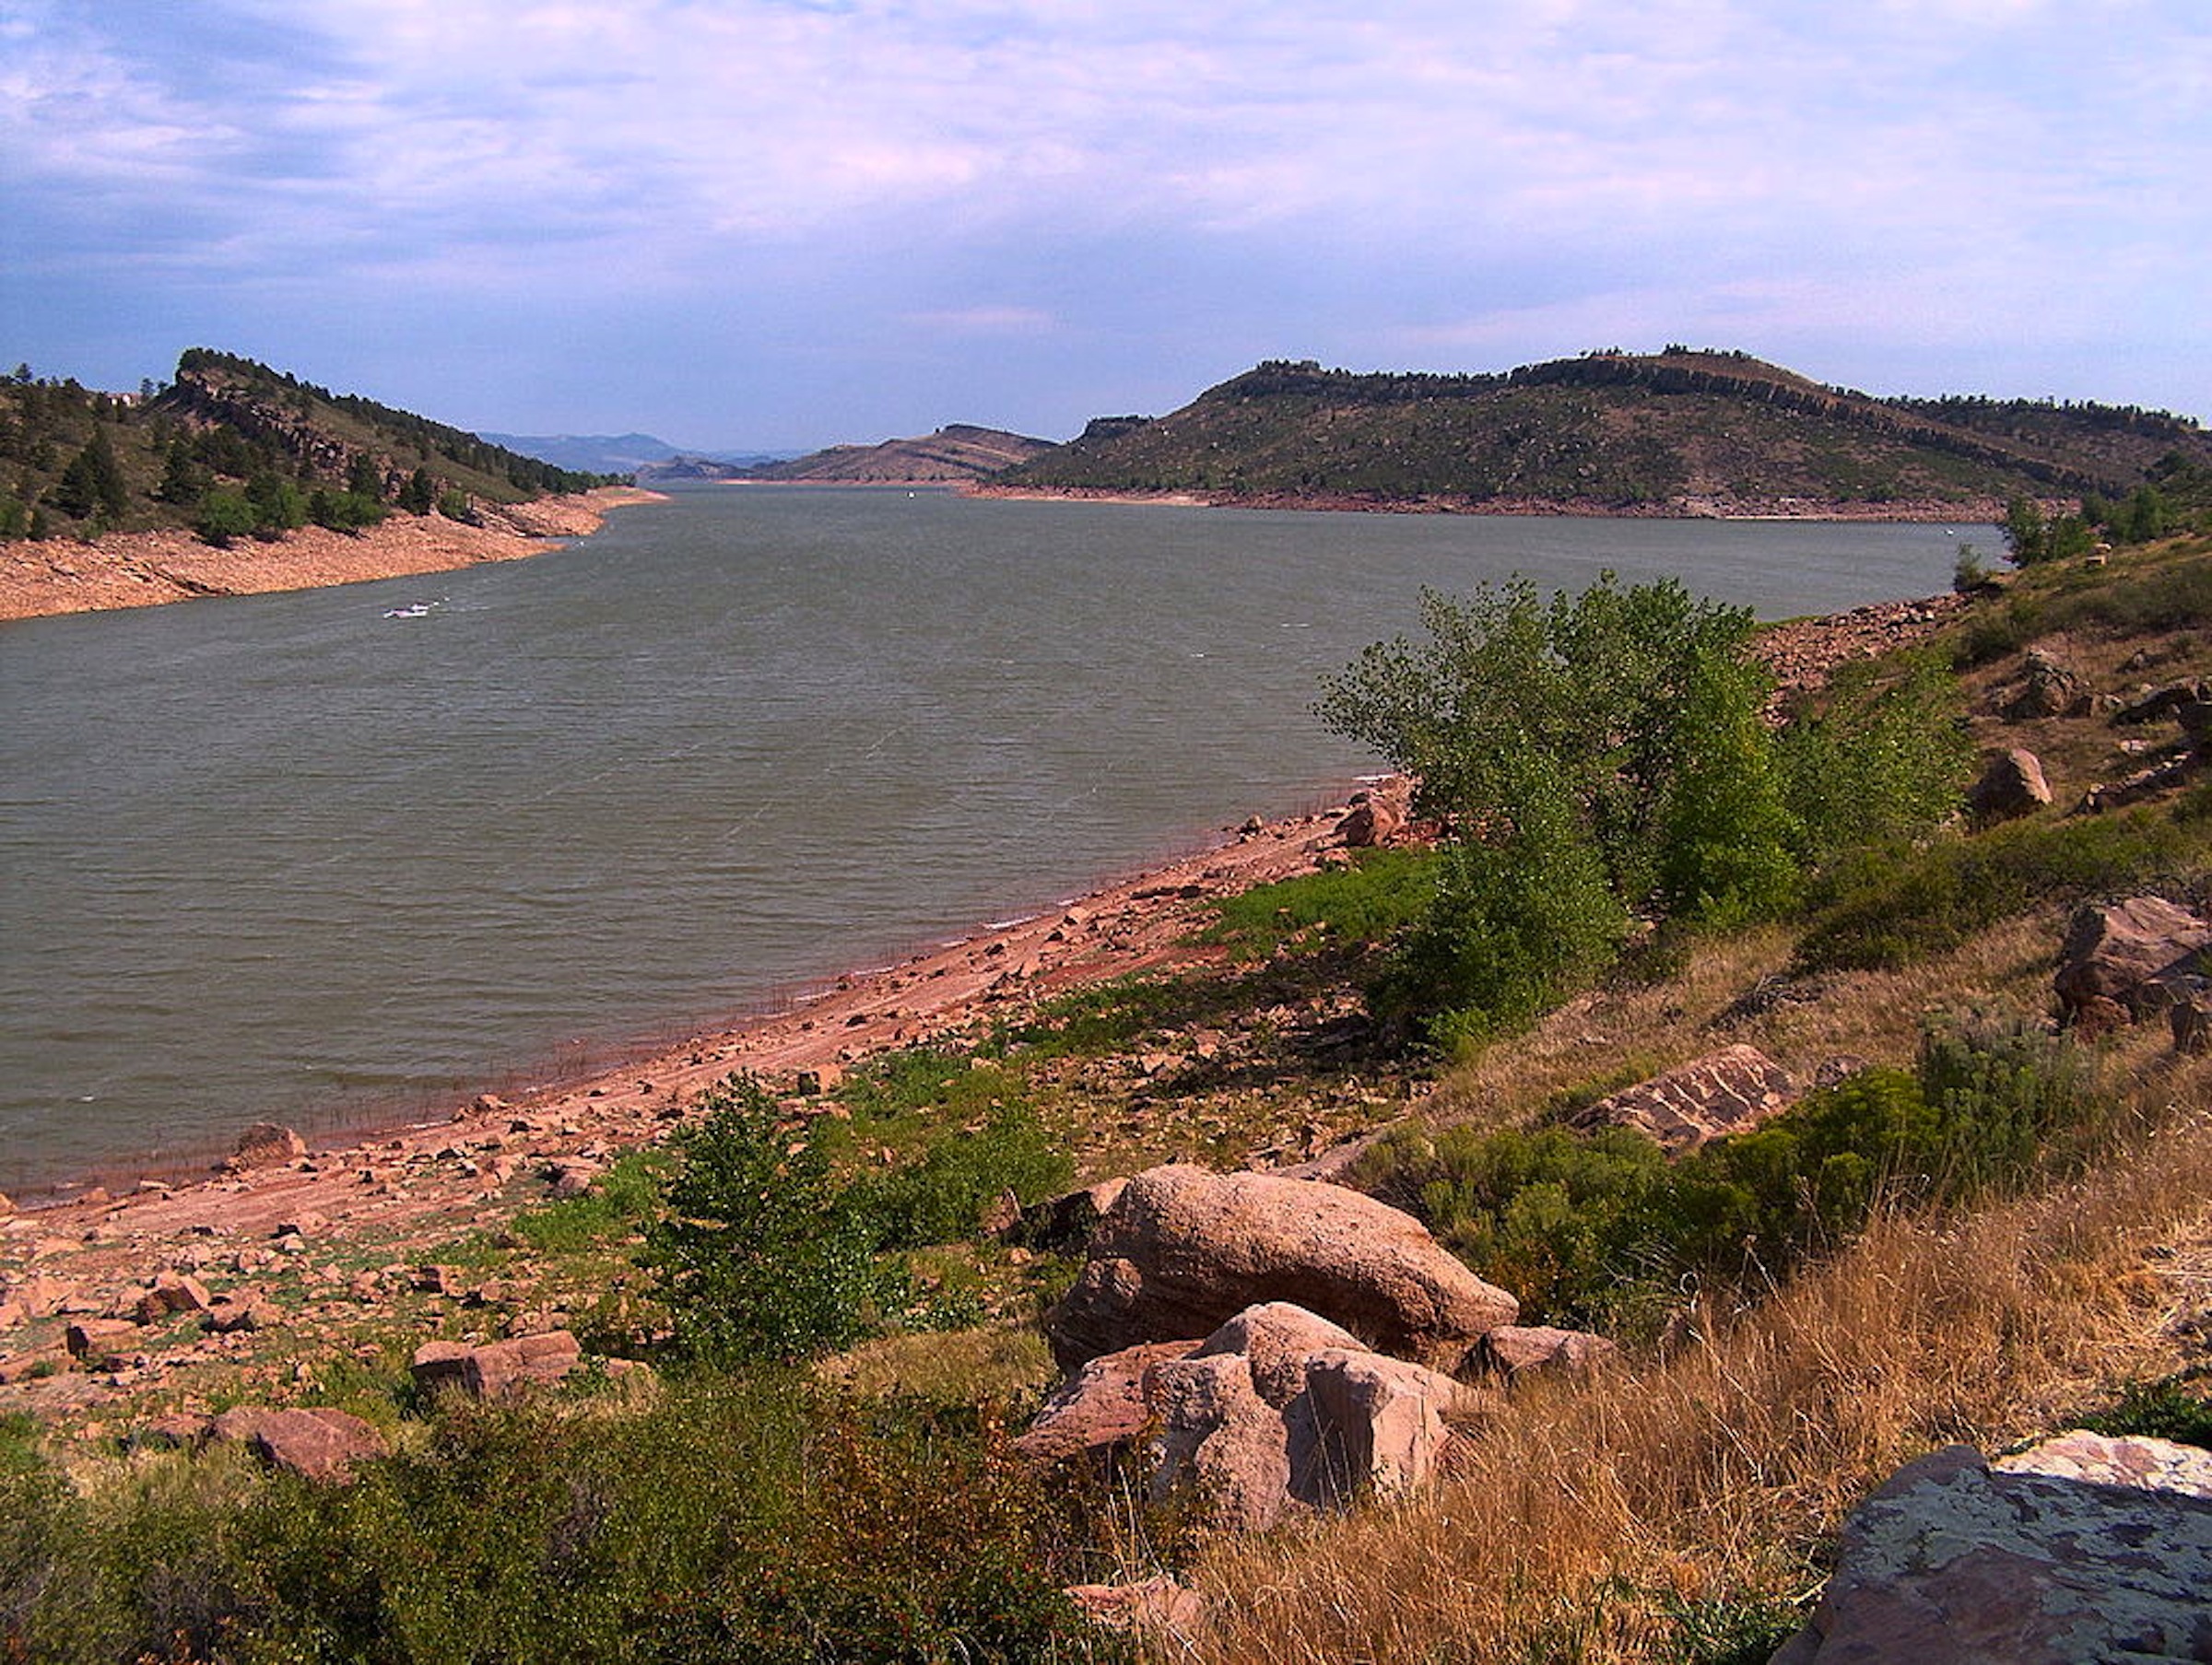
(954, 454)
(1980, 1226)
(1676, 431)
(232, 448)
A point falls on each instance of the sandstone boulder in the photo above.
(1102, 1407)
(2010, 787)
(1513, 1349)
(1371, 821)
(2132, 1459)
(1277, 1340)
(2047, 688)
(1182, 1251)
(264, 1144)
(1062, 1224)
(1373, 1425)
(1951, 1563)
(1158, 1608)
(1731, 1091)
(2127, 952)
(500, 1369)
(319, 1444)
(1217, 1442)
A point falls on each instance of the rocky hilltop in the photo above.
(954, 454)
(1679, 432)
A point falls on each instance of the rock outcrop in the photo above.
(318, 1444)
(2128, 955)
(1182, 1251)
(1951, 1563)
(2012, 786)
(500, 1369)
(1278, 1410)
(1731, 1091)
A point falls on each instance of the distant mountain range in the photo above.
(1682, 431)
(622, 453)
(954, 454)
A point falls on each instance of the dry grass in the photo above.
(1716, 1473)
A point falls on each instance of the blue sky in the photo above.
(782, 223)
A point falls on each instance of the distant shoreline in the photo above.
(1922, 512)
(55, 576)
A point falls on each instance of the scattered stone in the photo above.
(2010, 787)
(1731, 1091)
(1951, 1563)
(171, 1292)
(1100, 1408)
(2127, 952)
(437, 1280)
(89, 1340)
(822, 1078)
(181, 1431)
(1063, 1224)
(234, 1313)
(2166, 702)
(264, 1144)
(1182, 1251)
(572, 1175)
(1513, 1351)
(489, 1104)
(500, 1369)
(319, 1444)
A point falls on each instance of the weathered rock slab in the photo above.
(1182, 1251)
(2132, 1459)
(2127, 952)
(1730, 1091)
(1951, 1563)
(320, 1444)
(1215, 1439)
(500, 1369)
(1102, 1407)
(1513, 1349)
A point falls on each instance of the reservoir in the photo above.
(349, 852)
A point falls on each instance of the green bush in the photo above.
(759, 1251)
(943, 1197)
(622, 1201)
(1596, 1227)
(1890, 907)
(759, 1519)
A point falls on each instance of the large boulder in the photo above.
(264, 1144)
(2012, 786)
(1513, 1351)
(499, 1369)
(1372, 1425)
(2129, 953)
(319, 1444)
(1731, 1091)
(1182, 1251)
(2047, 688)
(1277, 1340)
(1952, 1563)
(1217, 1442)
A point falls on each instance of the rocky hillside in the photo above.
(955, 453)
(1679, 431)
(227, 431)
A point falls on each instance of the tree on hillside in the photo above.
(1603, 759)
(93, 483)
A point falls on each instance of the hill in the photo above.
(232, 447)
(954, 454)
(1676, 432)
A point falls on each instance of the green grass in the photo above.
(1371, 901)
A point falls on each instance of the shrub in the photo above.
(943, 1197)
(759, 1252)
(1372, 900)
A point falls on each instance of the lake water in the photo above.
(292, 856)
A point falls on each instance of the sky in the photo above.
(777, 224)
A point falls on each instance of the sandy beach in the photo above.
(148, 569)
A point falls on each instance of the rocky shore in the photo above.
(1922, 512)
(146, 569)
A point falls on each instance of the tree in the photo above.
(419, 496)
(364, 477)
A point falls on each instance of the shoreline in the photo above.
(124, 569)
(1922, 512)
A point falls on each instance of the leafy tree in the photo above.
(364, 477)
(419, 496)
(224, 515)
(2027, 539)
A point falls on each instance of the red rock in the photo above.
(1731, 1091)
(319, 1444)
(1510, 1349)
(1378, 1425)
(2125, 952)
(1157, 1607)
(266, 1144)
(2138, 1460)
(2012, 786)
(1216, 1443)
(1183, 1250)
(500, 1369)
(1372, 821)
(1101, 1408)
(1277, 1341)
